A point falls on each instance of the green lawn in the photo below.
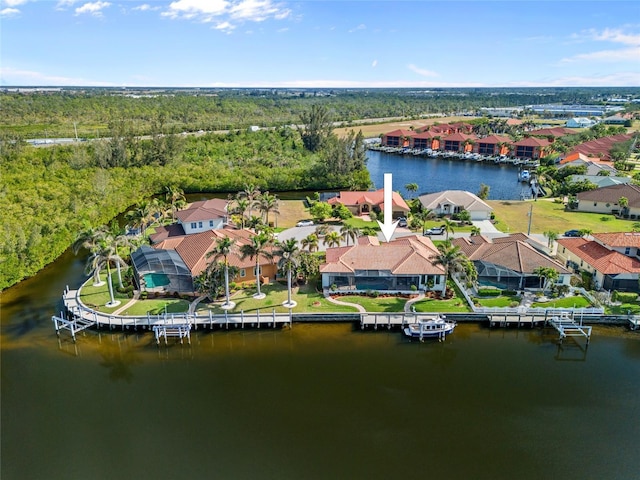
(360, 223)
(565, 302)
(379, 304)
(513, 216)
(456, 304)
(157, 306)
(97, 297)
(500, 301)
(307, 298)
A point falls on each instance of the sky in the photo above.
(319, 43)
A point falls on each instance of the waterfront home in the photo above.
(363, 203)
(397, 138)
(401, 265)
(611, 270)
(172, 264)
(458, 142)
(552, 132)
(509, 262)
(424, 140)
(197, 217)
(530, 147)
(606, 200)
(448, 128)
(450, 202)
(493, 145)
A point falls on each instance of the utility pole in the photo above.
(530, 218)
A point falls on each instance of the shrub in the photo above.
(489, 292)
(333, 287)
(514, 304)
(624, 297)
(144, 295)
(509, 293)
(414, 288)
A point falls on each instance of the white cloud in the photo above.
(374, 64)
(226, 13)
(362, 26)
(9, 12)
(421, 71)
(13, 3)
(63, 4)
(630, 51)
(92, 8)
(145, 7)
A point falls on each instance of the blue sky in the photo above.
(318, 43)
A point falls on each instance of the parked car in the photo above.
(402, 222)
(304, 223)
(572, 233)
(436, 230)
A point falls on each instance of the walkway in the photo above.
(136, 296)
(360, 308)
(411, 301)
(485, 226)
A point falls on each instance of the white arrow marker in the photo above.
(389, 226)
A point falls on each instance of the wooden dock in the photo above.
(515, 320)
(568, 327)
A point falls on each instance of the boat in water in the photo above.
(524, 176)
(430, 327)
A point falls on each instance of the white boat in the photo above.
(524, 176)
(430, 327)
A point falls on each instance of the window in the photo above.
(627, 250)
(211, 223)
(595, 204)
(194, 225)
(243, 272)
(199, 224)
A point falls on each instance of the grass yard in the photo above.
(499, 302)
(565, 302)
(291, 212)
(157, 306)
(456, 304)
(623, 309)
(96, 297)
(360, 223)
(513, 216)
(308, 299)
(379, 304)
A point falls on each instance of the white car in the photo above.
(304, 223)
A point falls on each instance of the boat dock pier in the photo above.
(634, 322)
(515, 320)
(386, 320)
(79, 317)
(568, 327)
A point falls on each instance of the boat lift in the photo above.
(568, 327)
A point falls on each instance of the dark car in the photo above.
(435, 230)
(572, 233)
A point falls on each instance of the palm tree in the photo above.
(90, 239)
(103, 255)
(240, 208)
(267, 203)
(224, 246)
(411, 187)
(116, 237)
(448, 227)
(174, 197)
(475, 231)
(332, 239)
(624, 205)
(349, 232)
(141, 216)
(288, 252)
(251, 193)
(310, 242)
(552, 236)
(450, 258)
(258, 246)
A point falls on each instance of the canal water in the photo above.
(316, 401)
(437, 174)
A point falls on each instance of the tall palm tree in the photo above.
(240, 208)
(103, 255)
(411, 187)
(332, 239)
(268, 203)
(251, 193)
(258, 246)
(552, 236)
(450, 258)
(288, 252)
(90, 239)
(174, 197)
(141, 216)
(349, 232)
(310, 242)
(223, 248)
(448, 227)
(116, 237)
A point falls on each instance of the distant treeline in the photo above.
(49, 194)
(93, 111)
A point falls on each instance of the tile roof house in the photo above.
(599, 148)
(552, 132)
(450, 202)
(458, 142)
(611, 269)
(360, 203)
(390, 266)
(627, 243)
(198, 217)
(425, 139)
(493, 145)
(605, 200)
(508, 262)
(189, 256)
(530, 147)
(397, 138)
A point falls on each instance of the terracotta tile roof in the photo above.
(400, 133)
(601, 146)
(612, 194)
(532, 142)
(426, 134)
(372, 198)
(553, 132)
(164, 232)
(513, 254)
(494, 139)
(203, 210)
(605, 261)
(618, 239)
(193, 248)
(460, 137)
(405, 255)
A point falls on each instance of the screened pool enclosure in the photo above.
(161, 271)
